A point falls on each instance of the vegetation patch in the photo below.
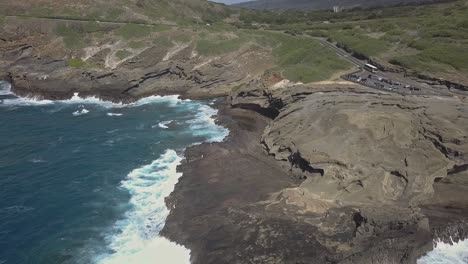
(209, 47)
(163, 41)
(114, 13)
(134, 31)
(79, 64)
(438, 31)
(72, 37)
(302, 59)
(136, 44)
(123, 54)
(181, 37)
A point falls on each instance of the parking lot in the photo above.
(378, 81)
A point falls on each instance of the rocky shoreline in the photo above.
(273, 193)
(309, 173)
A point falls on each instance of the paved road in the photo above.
(341, 52)
(379, 80)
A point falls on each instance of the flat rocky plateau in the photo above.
(309, 174)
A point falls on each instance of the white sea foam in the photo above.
(164, 124)
(205, 125)
(114, 114)
(5, 88)
(36, 160)
(172, 100)
(445, 253)
(83, 111)
(136, 239)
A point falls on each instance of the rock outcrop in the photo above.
(38, 65)
(381, 175)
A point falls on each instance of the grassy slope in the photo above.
(431, 39)
(141, 11)
(297, 58)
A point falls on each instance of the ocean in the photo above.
(84, 181)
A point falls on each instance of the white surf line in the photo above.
(5, 88)
(444, 253)
(137, 238)
(173, 100)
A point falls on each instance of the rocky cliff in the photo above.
(381, 175)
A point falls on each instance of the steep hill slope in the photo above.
(119, 10)
(324, 4)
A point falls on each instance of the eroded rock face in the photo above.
(383, 148)
(36, 64)
(395, 165)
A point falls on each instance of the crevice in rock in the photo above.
(457, 169)
(267, 112)
(399, 174)
(437, 141)
(359, 220)
(298, 161)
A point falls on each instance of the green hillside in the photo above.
(141, 11)
(429, 39)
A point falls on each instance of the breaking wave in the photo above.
(83, 111)
(444, 253)
(5, 88)
(164, 124)
(173, 100)
(136, 238)
(114, 114)
(203, 118)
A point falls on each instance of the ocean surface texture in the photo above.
(84, 181)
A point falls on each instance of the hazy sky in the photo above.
(230, 2)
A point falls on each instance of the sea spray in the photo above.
(136, 239)
(5, 88)
(445, 253)
(89, 169)
(173, 100)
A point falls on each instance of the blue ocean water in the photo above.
(84, 181)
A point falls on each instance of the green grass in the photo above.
(431, 39)
(114, 13)
(136, 44)
(439, 57)
(163, 41)
(134, 31)
(181, 37)
(72, 37)
(122, 54)
(302, 59)
(208, 47)
(77, 63)
(361, 45)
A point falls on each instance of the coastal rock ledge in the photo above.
(325, 175)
